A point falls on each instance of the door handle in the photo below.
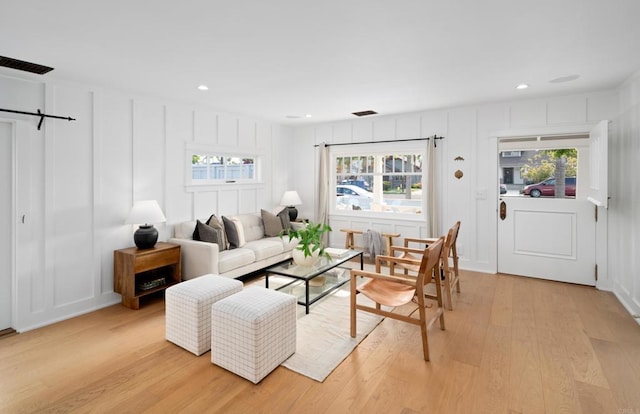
(503, 210)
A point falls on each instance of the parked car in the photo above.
(503, 189)
(352, 195)
(352, 190)
(360, 183)
(547, 188)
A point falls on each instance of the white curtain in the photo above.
(433, 213)
(322, 207)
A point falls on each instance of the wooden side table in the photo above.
(141, 272)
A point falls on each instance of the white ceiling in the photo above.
(276, 58)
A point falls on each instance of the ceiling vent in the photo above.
(24, 66)
(365, 113)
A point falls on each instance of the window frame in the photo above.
(207, 151)
(376, 150)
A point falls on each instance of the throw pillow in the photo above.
(284, 218)
(216, 223)
(196, 233)
(272, 223)
(231, 232)
(240, 231)
(209, 234)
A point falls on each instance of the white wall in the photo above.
(78, 180)
(468, 133)
(624, 204)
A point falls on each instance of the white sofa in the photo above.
(201, 258)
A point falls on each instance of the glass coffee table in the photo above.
(312, 283)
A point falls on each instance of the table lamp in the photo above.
(291, 199)
(147, 212)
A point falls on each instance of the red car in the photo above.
(547, 188)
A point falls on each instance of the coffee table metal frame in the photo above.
(305, 274)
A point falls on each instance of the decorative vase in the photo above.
(301, 260)
(146, 236)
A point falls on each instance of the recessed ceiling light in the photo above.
(308, 116)
(203, 87)
(563, 79)
(522, 86)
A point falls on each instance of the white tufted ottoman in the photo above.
(188, 310)
(252, 332)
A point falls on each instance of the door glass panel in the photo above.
(539, 173)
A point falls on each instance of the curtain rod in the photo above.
(385, 141)
(40, 114)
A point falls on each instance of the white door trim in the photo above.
(542, 131)
(12, 228)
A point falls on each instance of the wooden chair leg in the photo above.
(439, 297)
(423, 326)
(448, 289)
(353, 306)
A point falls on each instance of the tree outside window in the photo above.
(557, 163)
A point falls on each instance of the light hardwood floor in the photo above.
(512, 345)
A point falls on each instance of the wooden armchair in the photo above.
(449, 262)
(398, 289)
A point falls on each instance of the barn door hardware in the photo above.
(38, 114)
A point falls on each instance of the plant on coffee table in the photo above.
(310, 239)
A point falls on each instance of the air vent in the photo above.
(365, 113)
(24, 66)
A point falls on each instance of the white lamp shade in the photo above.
(146, 212)
(290, 198)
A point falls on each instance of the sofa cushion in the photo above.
(284, 218)
(215, 222)
(203, 232)
(235, 258)
(265, 248)
(196, 232)
(252, 225)
(231, 231)
(207, 233)
(272, 223)
(240, 230)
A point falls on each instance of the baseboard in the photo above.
(628, 304)
(5, 333)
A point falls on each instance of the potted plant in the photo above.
(310, 246)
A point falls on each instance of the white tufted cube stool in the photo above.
(188, 310)
(252, 332)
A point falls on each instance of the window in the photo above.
(210, 168)
(507, 154)
(384, 182)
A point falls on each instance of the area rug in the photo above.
(323, 336)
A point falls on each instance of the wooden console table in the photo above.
(141, 272)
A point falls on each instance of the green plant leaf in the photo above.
(309, 238)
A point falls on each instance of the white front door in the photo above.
(555, 238)
(550, 238)
(6, 217)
